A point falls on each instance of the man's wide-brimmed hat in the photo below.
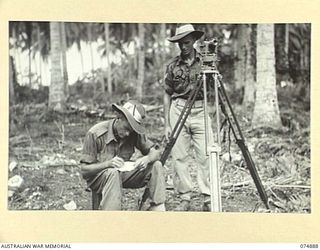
(134, 112)
(183, 30)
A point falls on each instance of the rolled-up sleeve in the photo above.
(168, 82)
(89, 150)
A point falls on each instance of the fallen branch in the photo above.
(291, 186)
(281, 184)
(234, 185)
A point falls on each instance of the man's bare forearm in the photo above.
(154, 155)
(88, 170)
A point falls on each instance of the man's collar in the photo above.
(110, 134)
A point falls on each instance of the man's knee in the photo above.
(111, 174)
(157, 164)
(157, 167)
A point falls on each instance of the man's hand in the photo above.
(116, 162)
(167, 132)
(142, 162)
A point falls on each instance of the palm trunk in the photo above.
(286, 42)
(135, 56)
(249, 88)
(64, 57)
(11, 84)
(163, 47)
(240, 57)
(266, 111)
(56, 91)
(29, 34)
(283, 55)
(141, 59)
(40, 58)
(30, 68)
(109, 80)
(81, 55)
(16, 55)
(89, 30)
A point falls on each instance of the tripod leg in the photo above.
(241, 143)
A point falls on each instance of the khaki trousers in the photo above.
(112, 181)
(192, 134)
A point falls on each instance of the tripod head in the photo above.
(208, 52)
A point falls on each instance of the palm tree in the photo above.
(40, 45)
(141, 59)
(56, 91)
(89, 39)
(29, 45)
(14, 28)
(240, 49)
(63, 42)
(109, 80)
(249, 72)
(266, 110)
(11, 83)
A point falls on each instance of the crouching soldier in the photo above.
(108, 145)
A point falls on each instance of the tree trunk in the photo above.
(80, 54)
(135, 56)
(16, 56)
(30, 69)
(281, 52)
(39, 48)
(29, 35)
(109, 80)
(141, 59)
(240, 56)
(266, 111)
(56, 91)
(89, 30)
(11, 83)
(249, 74)
(63, 38)
(286, 42)
(163, 48)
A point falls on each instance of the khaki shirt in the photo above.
(180, 78)
(100, 145)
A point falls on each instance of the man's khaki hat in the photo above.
(183, 30)
(134, 112)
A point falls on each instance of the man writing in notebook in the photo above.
(108, 145)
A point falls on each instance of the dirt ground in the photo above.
(47, 152)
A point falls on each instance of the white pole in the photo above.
(215, 151)
(211, 151)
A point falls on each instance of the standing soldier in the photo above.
(180, 80)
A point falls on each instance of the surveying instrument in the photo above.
(208, 77)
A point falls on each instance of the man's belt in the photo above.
(181, 102)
